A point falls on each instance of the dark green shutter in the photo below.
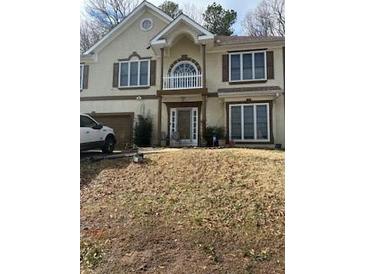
(270, 64)
(153, 73)
(225, 67)
(115, 75)
(85, 77)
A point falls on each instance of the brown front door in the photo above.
(184, 124)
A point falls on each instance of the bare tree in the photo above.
(109, 13)
(89, 35)
(194, 12)
(100, 16)
(268, 19)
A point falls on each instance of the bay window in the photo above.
(247, 66)
(249, 122)
(134, 73)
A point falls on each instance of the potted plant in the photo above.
(214, 136)
(143, 131)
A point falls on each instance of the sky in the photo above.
(240, 6)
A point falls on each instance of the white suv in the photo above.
(94, 135)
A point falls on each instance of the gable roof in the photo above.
(120, 27)
(204, 33)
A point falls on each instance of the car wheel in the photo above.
(108, 145)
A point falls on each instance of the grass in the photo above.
(188, 211)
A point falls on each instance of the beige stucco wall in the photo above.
(214, 71)
(278, 125)
(183, 46)
(279, 120)
(215, 112)
(134, 39)
(140, 107)
(164, 121)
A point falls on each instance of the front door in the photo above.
(184, 124)
(184, 127)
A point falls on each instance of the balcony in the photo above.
(182, 81)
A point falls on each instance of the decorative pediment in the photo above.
(182, 25)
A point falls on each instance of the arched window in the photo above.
(184, 68)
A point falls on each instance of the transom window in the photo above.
(249, 122)
(81, 76)
(247, 66)
(184, 68)
(134, 73)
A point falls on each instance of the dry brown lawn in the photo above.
(188, 211)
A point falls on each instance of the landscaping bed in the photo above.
(185, 211)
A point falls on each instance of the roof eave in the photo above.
(266, 41)
(206, 34)
(110, 34)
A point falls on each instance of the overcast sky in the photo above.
(240, 6)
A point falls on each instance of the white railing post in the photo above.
(182, 81)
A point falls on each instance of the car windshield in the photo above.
(86, 121)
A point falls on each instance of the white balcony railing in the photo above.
(184, 81)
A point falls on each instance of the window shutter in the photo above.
(225, 67)
(270, 64)
(115, 75)
(153, 72)
(85, 77)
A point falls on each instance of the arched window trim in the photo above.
(184, 57)
(184, 62)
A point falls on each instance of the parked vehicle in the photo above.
(94, 135)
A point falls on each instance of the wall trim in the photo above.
(127, 88)
(247, 82)
(122, 97)
(245, 50)
(183, 91)
(248, 89)
(103, 114)
(212, 94)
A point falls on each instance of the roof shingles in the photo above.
(229, 40)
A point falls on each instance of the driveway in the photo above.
(98, 154)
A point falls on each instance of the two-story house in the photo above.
(185, 78)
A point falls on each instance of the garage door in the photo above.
(122, 123)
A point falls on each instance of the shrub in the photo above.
(90, 254)
(143, 131)
(218, 132)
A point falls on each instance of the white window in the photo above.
(184, 68)
(134, 73)
(249, 122)
(247, 66)
(81, 76)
